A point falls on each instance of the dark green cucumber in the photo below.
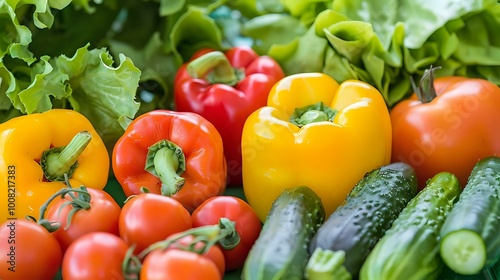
(280, 251)
(368, 211)
(410, 248)
(470, 236)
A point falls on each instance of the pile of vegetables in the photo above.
(249, 139)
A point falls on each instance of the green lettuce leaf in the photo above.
(306, 11)
(295, 57)
(194, 30)
(157, 72)
(7, 85)
(103, 93)
(272, 29)
(14, 38)
(423, 18)
(47, 84)
(88, 82)
(170, 7)
(386, 43)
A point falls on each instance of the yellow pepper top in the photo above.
(317, 133)
(28, 176)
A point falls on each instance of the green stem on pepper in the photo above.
(216, 67)
(60, 161)
(166, 160)
(317, 112)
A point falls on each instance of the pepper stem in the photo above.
(58, 161)
(318, 112)
(166, 161)
(218, 68)
(425, 90)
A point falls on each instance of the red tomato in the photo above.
(28, 251)
(237, 210)
(101, 216)
(451, 132)
(214, 253)
(147, 218)
(179, 265)
(95, 255)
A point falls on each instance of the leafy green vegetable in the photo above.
(291, 56)
(385, 42)
(89, 82)
(114, 60)
(103, 93)
(97, 58)
(422, 18)
(194, 21)
(272, 29)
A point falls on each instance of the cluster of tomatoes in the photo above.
(84, 234)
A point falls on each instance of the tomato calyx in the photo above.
(425, 90)
(80, 200)
(224, 234)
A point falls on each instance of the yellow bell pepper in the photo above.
(37, 150)
(317, 133)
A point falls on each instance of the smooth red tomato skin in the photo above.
(95, 255)
(248, 224)
(147, 218)
(450, 133)
(214, 253)
(179, 265)
(28, 249)
(102, 216)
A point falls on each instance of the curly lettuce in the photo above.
(385, 42)
(91, 81)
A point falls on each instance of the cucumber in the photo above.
(410, 248)
(280, 251)
(367, 212)
(470, 236)
(326, 265)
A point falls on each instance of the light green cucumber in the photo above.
(410, 248)
(470, 236)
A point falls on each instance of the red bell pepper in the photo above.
(226, 88)
(178, 154)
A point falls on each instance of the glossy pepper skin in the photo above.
(226, 89)
(177, 154)
(283, 147)
(24, 139)
(454, 123)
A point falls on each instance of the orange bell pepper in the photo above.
(177, 154)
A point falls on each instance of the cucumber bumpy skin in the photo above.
(410, 248)
(470, 236)
(281, 250)
(368, 211)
